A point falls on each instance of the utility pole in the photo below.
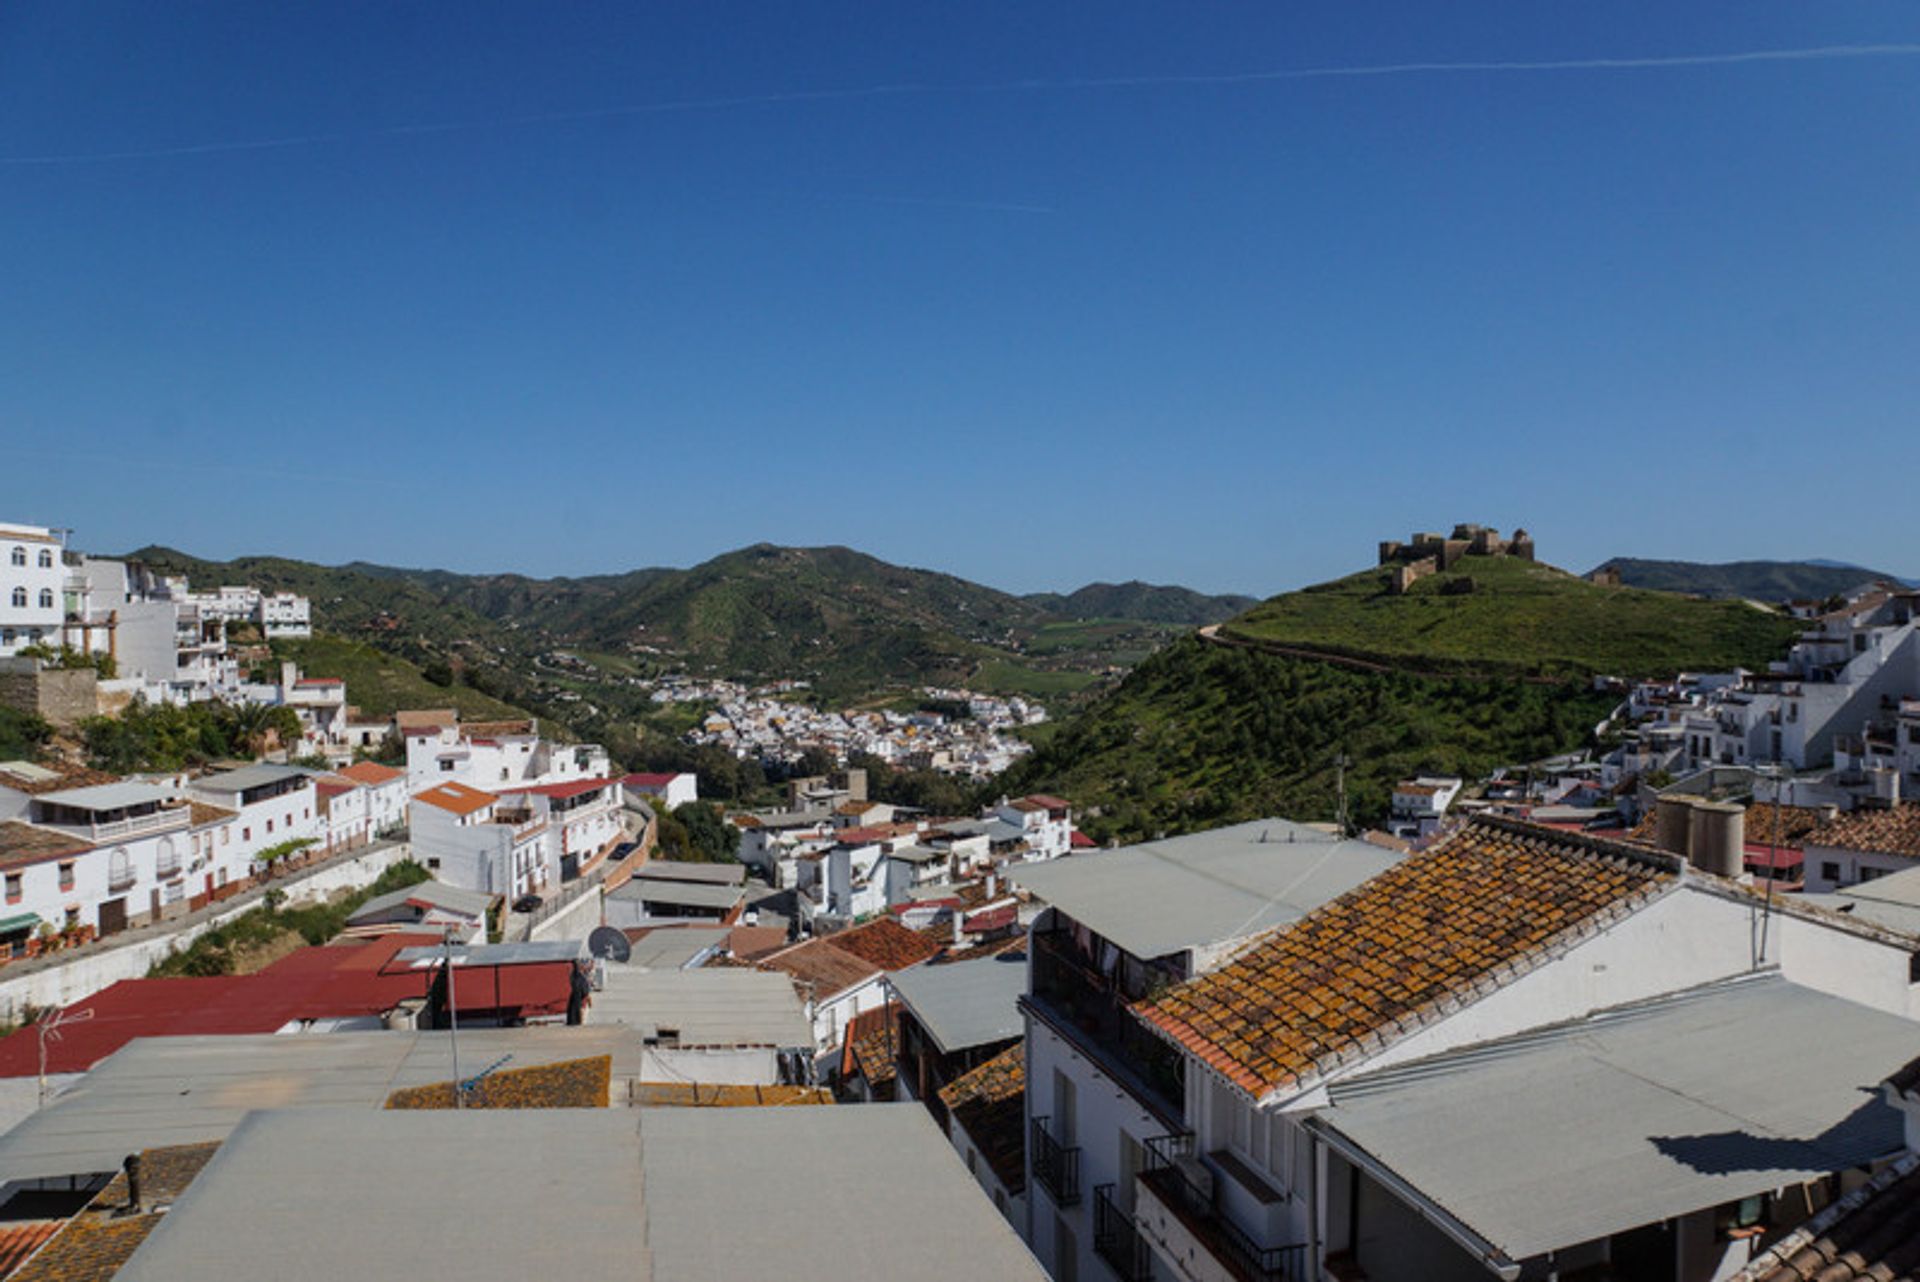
(453, 1016)
(1773, 859)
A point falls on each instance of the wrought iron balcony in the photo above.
(1055, 1165)
(1117, 1241)
(1173, 1175)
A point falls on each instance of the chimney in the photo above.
(959, 936)
(136, 1194)
(1672, 823)
(1717, 838)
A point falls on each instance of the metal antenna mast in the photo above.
(453, 1017)
(1340, 764)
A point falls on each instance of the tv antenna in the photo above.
(1340, 763)
(49, 1030)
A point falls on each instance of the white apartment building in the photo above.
(670, 789)
(100, 855)
(1420, 804)
(1367, 1090)
(1118, 927)
(475, 840)
(32, 585)
(583, 821)
(496, 756)
(386, 790)
(1046, 824)
(272, 805)
(346, 809)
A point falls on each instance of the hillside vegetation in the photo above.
(1521, 617)
(1205, 733)
(380, 684)
(1754, 580)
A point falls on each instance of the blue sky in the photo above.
(1036, 294)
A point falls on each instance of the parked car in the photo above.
(624, 849)
(527, 903)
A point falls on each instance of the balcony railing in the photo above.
(118, 882)
(1117, 1241)
(1170, 1159)
(1094, 1007)
(1056, 1166)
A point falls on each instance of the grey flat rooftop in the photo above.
(1541, 1141)
(471, 902)
(672, 870)
(1891, 914)
(671, 947)
(516, 954)
(109, 796)
(182, 1090)
(965, 1004)
(813, 1178)
(708, 1007)
(325, 1194)
(918, 854)
(338, 1193)
(1901, 888)
(246, 777)
(1168, 896)
(687, 894)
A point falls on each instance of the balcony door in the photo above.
(1065, 1110)
(1132, 1158)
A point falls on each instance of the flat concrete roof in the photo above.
(965, 1004)
(687, 894)
(706, 1007)
(814, 1178)
(183, 1090)
(254, 776)
(330, 1193)
(109, 796)
(675, 870)
(1169, 896)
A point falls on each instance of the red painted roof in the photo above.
(658, 780)
(338, 980)
(561, 790)
(320, 681)
(1080, 841)
(862, 836)
(370, 772)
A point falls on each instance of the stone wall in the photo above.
(63, 696)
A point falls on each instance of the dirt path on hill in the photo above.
(1213, 636)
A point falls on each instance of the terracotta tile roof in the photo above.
(1895, 831)
(1049, 802)
(88, 1250)
(25, 844)
(570, 1083)
(1871, 1235)
(18, 1242)
(93, 1245)
(201, 814)
(820, 967)
(990, 1104)
(887, 944)
(164, 1176)
(371, 773)
(755, 942)
(709, 1095)
(1795, 823)
(872, 1039)
(1467, 916)
(495, 729)
(456, 798)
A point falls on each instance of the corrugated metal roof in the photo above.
(1574, 1133)
(440, 895)
(254, 776)
(675, 870)
(1168, 896)
(685, 894)
(966, 1004)
(516, 954)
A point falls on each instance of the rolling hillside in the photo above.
(1520, 617)
(1141, 602)
(1754, 580)
(1209, 732)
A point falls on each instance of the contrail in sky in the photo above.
(1819, 53)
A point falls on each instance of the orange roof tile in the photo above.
(990, 1103)
(371, 773)
(822, 967)
(887, 944)
(456, 798)
(1895, 831)
(18, 1242)
(1472, 913)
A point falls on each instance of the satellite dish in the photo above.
(609, 943)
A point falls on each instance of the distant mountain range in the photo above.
(1753, 580)
(850, 623)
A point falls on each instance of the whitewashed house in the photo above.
(478, 841)
(32, 587)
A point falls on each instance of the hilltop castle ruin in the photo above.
(1425, 553)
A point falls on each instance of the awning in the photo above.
(18, 922)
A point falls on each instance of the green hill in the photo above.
(1754, 580)
(1143, 602)
(1212, 731)
(380, 684)
(1520, 617)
